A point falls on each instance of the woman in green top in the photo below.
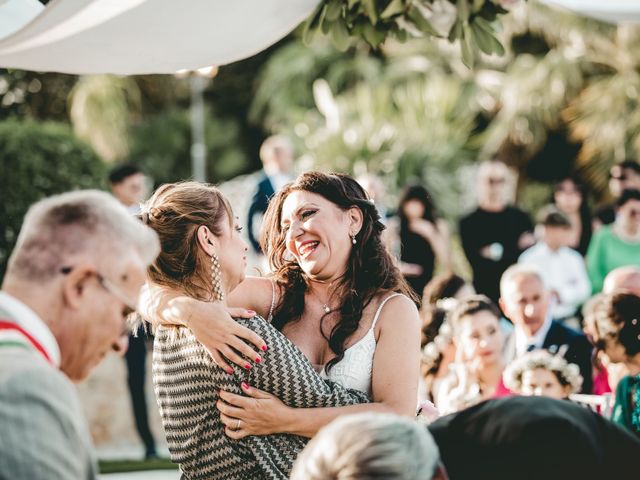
(618, 244)
(617, 335)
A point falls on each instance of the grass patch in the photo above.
(120, 466)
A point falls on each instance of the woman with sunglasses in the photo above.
(618, 244)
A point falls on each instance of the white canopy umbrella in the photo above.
(129, 37)
(613, 11)
(15, 14)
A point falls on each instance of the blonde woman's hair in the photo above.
(367, 446)
(84, 222)
(176, 211)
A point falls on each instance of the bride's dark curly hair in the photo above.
(370, 269)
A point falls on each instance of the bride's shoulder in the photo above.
(396, 307)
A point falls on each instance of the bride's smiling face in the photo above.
(318, 233)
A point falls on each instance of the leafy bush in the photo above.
(38, 160)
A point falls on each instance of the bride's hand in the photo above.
(259, 413)
(225, 339)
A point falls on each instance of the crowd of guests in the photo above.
(549, 294)
(317, 369)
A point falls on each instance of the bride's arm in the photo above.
(396, 369)
(211, 322)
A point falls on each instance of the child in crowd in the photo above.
(563, 268)
(540, 373)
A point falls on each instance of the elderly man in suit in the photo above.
(525, 300)
(72, 280)
(276, 154)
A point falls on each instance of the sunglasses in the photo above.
(621, 177)
(495, 180)
(129, 306)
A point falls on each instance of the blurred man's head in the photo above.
(127, 183)
(493, 183)
(622, 176)
(554, 227)
(524, 298)
(276, 154)
(79, 263)
(623, 278)
(370, 445)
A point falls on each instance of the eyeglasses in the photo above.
(568, 191)
(111, 288)
(495, 180)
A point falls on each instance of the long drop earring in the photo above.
(216, 279)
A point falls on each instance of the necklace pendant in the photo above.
(326, 309)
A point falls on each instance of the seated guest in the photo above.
(476, 373)
(438, 351)
(370, 445)
(534, 438)
(617, 322)
(72, 281)
(605, 374)
(562, 268)
(618, 244)
(539, 373)
(525, 301)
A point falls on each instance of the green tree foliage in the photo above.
(38, 160)
(471, 23)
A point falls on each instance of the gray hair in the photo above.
(84, 222)
(519, 270)
(369, 445)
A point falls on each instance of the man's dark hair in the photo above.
(628, 194)
(121, 172)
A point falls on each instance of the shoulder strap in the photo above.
(375, 319)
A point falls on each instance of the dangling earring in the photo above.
(353, 239)
(215, 278)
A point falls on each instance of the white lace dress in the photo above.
(356, 367)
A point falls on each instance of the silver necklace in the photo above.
(325, 307)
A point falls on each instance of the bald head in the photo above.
(623, 278)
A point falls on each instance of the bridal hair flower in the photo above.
(567, 373)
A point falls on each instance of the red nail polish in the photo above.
(247, 366)
(251, 312)
(230, 371)
(264, 348)
(245, 385)
(258, 359)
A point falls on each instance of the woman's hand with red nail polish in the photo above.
(259, 412)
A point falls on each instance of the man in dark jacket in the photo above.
(276, 154)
